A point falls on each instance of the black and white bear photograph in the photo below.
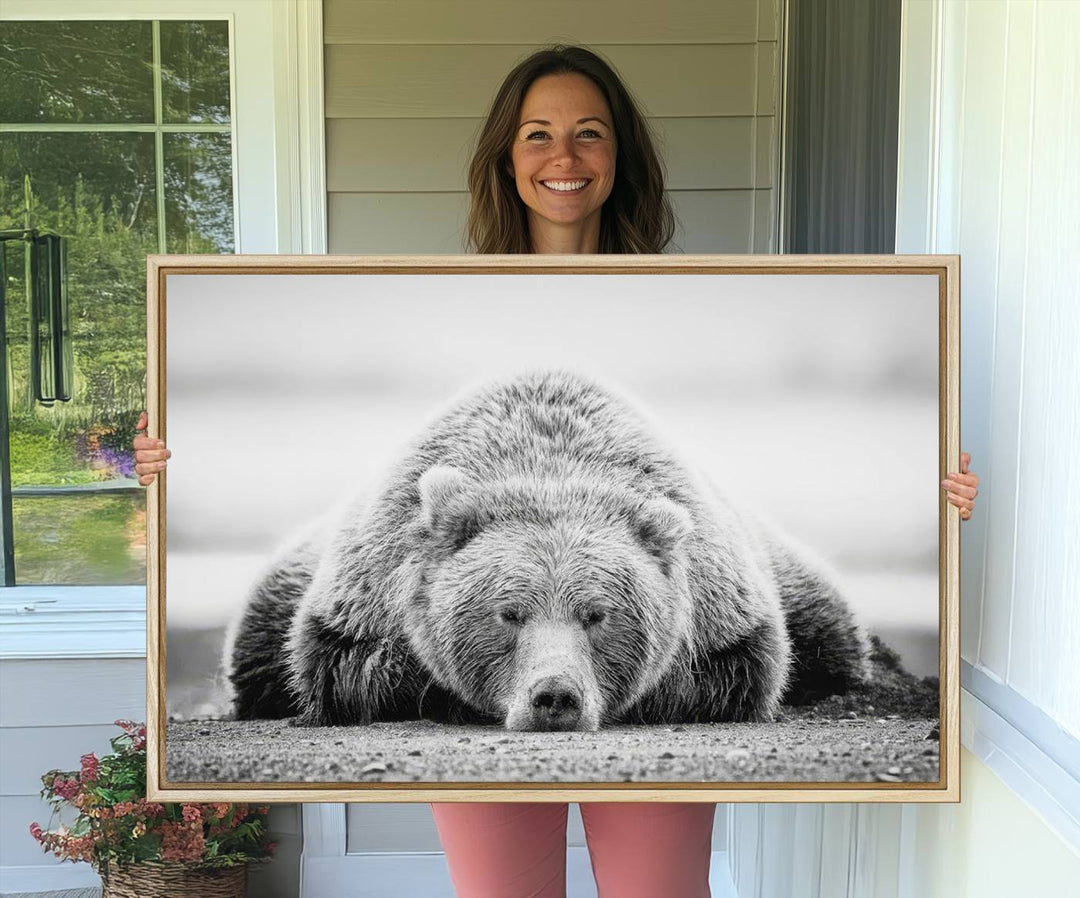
(553, 528)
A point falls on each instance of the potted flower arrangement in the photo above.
(141, 847)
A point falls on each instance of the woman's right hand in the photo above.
(150, 454)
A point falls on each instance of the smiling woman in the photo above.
(561, 117)
(563, 162)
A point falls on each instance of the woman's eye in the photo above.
(590, 133)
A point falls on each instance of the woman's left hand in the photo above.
(962, 488)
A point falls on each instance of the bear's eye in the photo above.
(594, 617)
(510, 616)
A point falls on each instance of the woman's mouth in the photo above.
(567, 187)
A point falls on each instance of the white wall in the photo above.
(1013, 211)
(1004, 193)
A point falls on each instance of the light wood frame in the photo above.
(947, 270)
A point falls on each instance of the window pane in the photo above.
(82, 540)
(195, 71)
(198, 193)
(98, 190)
(76, 72)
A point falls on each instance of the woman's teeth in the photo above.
(564, 186)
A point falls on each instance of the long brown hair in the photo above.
(636, 218)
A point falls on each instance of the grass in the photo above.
(83, 539)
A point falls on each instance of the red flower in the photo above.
(89, 768)
(181, 842)
(65, 788)
(36, 831)
(192, 814)
(150, 808)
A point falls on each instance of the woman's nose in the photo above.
(564, 149)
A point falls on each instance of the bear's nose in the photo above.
(556, 704)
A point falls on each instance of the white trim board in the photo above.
(301, 125)
(1059, 745)
(1048, 788)
(72, 622)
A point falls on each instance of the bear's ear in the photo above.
(661, 525)
(445, 506)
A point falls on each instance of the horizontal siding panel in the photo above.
(707, 153)
(65, 693)
(713, 221)
(28, 752)
(709, 221)
(17, 846)
(522, 22)
(397, 222)
(374, 81)
(399, 154)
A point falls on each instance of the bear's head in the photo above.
(552, 603)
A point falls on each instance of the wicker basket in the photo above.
(174, 881)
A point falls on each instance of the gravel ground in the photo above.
(886, 732)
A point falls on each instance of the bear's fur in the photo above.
(540, 559)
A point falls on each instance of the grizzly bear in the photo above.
(540, 559)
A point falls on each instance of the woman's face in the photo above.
(563, 154)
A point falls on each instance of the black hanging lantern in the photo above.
(51, 360)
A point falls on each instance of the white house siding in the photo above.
(408, 84)
(53, 712)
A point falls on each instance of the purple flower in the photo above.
(120, 462)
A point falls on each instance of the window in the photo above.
(118, 136)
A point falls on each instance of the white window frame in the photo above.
(279, 197)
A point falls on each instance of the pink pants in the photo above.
(518, 850)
